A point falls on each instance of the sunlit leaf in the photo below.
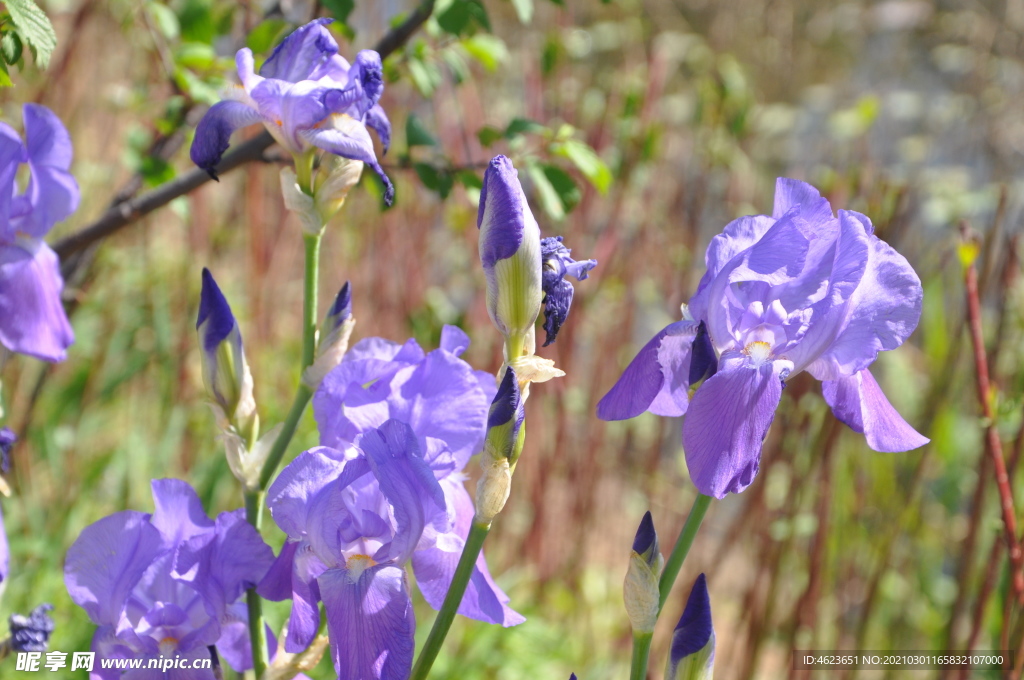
(34, 27)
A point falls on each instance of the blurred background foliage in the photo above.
(640, 127)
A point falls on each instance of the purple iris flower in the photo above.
(168, 584)
(397, 427)
(799, 290)
(32, 318)
(307, 95)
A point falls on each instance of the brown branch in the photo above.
(995, 444)
(130, 211)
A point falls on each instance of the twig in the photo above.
(995, 445)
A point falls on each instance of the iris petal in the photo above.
(858, 401)
(213, 134)
(32, 318)
(348, 138)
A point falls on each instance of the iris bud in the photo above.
(692, 656)
(640, 590)
(335, 333)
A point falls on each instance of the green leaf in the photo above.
(564, 185)
(196, 56)
(197, 21)
(489, 50)
(549, 199)
(464, 16)
(5, 77)
(521, 126)
(587, 162)
(470, 179)
(425, 75)
(265, 35)
(434, 179)
(416, 134)
(34, 27)
(488, 135)
(11, 47)
(165, 20)
(524, 10)
(339, 9)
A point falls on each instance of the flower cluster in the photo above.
(32, 318)
(169, 583)
(384, 489)
(799, 290)
(308, 97)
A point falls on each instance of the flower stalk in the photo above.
(682, 546)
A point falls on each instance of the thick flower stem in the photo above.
(641, 652)
(257, 629)
(682, 547)
(470, 552)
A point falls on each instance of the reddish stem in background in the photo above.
(995, 445)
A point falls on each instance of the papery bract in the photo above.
(800, 290)
(32, 318)
(168, 584)
(307, 96)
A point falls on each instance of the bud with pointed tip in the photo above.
(335, 333)
(225, 371)
(640, 590)
(502, 446)
(692, 656)
(511, 255)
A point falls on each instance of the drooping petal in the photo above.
(883, 311)
(12, 154)
(647, 383)
(213, 134)
(52, 192)
(434, 566)
(858, 401)
(107, 560)
(178, 514)
(377, 120)
(233, 645)
(727, 421)
(370, 622)
(344, 136)
(32, 318)
(406, 481)
(301, 53)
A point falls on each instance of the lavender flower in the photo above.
(800, 290)
(32, 318)
(692, 656)
(308, 96)
(426, 414)
(168, 584)
(523, 271)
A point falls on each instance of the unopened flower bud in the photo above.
(640, 590)
(692, 656)
(335, 333)
(510, 252)
(246, 464)
(505, 420)
(225, 371)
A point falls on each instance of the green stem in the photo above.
(682, 547)
(641, 651)
(474, 543)
(257, 629)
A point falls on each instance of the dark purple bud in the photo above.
(7, 439)
(557, 290)
(693, 642)
(215, 313)
(340, 310)
(32, 633)
(506, 416)
(646, 542)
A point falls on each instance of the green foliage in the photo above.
(461, 17)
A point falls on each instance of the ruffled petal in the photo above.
(213, 134)
(657, 379)
(305, 50)
(370, 622)
(52, 192)
(179, 514)
(107, 560)
(406, 481)
(434, 566)
(32, 318)
(792, 193)
(883, 311)
(727, 422)
(377, 120)
(346, 137)
(858, 401)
